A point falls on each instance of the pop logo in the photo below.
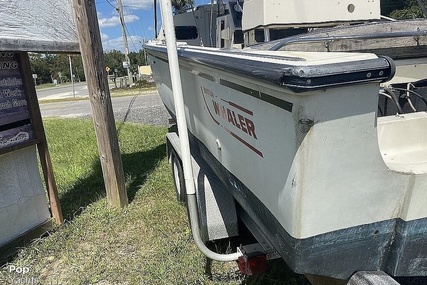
(19, 270)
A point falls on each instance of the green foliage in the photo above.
(50, 67)
(181, 5)
(114, 60)
(398, 9)
(143, 83)
(388, 6)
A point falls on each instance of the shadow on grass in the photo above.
(137, 166)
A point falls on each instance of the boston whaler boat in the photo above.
(311, 116)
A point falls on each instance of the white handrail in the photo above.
(168, 26)
(167, 19)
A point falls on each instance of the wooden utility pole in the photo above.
(99, 94)
(125, 38)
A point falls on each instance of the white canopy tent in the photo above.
(37, 26)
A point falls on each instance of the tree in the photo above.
(114, 60)
(40, 65)
(388, 6)
(398, 9)
(181, 5)
(50, 67)
(137, 59)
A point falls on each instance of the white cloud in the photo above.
(138, 4)
(134, 42)
(104, 36)
(115, 21)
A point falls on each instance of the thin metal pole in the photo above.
(168, 26)
(71, 75)
(155, 19)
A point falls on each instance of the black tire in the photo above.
(178, 178)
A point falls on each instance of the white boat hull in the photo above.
(309, 166)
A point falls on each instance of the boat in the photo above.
(312, 115)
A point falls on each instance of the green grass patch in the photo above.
(148, 242)
(69, 99)
(120, 92)
(45, 86)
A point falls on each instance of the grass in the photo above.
(148, 242)
(120, 92)
(45, 86)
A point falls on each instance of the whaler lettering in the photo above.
(239, 121)
(231, 116)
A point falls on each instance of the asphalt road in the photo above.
(146, 108)
(63, 91)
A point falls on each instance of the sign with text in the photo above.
(15, 122)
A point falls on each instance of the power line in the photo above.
(134, 32)
(106, 1)
(111, 4)
(131, 40)
(122, 21)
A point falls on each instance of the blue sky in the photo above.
(139, 19)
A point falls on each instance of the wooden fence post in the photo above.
(99, 94)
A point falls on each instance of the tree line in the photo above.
(56, 67)
(51, 67)
(402, 9)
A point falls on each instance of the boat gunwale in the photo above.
(296, 78)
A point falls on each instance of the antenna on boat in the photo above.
(211, 23)
(155, 19)
(169, 28)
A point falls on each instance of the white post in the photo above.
(71, 75)
(167, 18)
(266, 35)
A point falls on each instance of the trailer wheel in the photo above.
(178, 177)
